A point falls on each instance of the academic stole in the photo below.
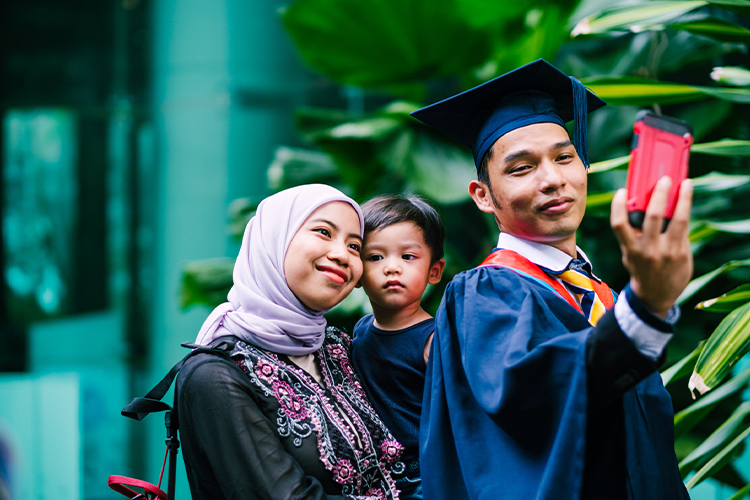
(595, 296)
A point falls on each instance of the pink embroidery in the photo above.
(336, 351)
(266, 371)
(289, 401)
(343, 472)
(392, 450)
(375, 492)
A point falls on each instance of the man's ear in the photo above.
(436, 272)
(480, 193)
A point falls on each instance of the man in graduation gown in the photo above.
(539, 385)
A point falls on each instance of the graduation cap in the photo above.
(535, 93)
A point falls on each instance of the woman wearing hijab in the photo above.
(286, 417)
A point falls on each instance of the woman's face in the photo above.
(322, 263)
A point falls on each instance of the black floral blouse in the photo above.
(269, 430)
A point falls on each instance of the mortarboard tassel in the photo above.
(580, 115)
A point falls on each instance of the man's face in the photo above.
(538, 185)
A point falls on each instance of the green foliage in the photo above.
(206, 282)
(729, 342)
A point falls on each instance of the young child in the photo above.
(402, 254)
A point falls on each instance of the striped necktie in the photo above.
(579, 283)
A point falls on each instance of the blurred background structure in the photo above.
(138, 136)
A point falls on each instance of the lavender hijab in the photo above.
(262, 310)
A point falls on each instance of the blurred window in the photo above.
(39, 211)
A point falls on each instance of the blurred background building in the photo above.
(127, 128)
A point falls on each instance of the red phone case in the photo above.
(661, 146)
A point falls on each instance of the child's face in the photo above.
(322, 263)
(397, 266)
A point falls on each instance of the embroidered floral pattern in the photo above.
(336, 351)
(375, 492)
(392, 450)
(343, 473)
(266, 371)
(353, 443)
(290, 402)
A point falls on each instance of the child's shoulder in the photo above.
(363, 325)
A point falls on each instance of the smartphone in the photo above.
(661, 146)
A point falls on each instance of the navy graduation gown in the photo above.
(525, 400)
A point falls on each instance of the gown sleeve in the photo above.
(230, 446)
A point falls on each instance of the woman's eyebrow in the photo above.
(336, 228)
(326, 221)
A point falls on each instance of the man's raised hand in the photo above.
(660, 264)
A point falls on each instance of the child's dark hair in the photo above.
(383, 211)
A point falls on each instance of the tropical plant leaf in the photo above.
(599, 200)
(642, 91)
(741, 96)
(206, 282)
(739, 6)
(606, 165)
(684, 420)
(293, 166)
(727, 302)
(391, 44)
(240, 212)
(702, 231)
(682, 368)
(724, 147)
(718, 24)
(727, 345)
(731, 75)
(717, 181)
(715, 28)
(640, 16)
(741, 493)
(441, 170)
(695, 285)
(717, 462)
(723, 434)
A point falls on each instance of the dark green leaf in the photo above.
(292, 167)
(682, 368)
(698, 283)
(741, 493)
(639, 17)
(717, 462)
(719, 438)
(727, 345)
(727, 302)
(687, 418)
(206, 282)
(391, 43)
(724, 147)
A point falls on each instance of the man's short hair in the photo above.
(383, 211)
(483, 172)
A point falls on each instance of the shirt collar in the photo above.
(546, 256)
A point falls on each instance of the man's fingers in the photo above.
(657, 205)
(618, 218)
(678, 227)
